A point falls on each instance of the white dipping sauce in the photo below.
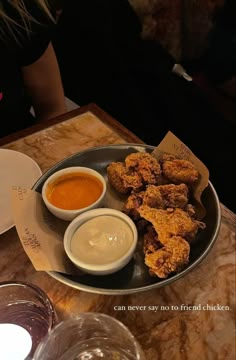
(102, 240)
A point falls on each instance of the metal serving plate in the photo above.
(134, 277)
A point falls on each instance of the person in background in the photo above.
(29, 72)
(104, 60)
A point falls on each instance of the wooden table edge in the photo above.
(126, 134)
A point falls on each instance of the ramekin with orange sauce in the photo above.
(73, 190)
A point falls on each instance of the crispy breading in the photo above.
(150, 241)
(163, 196)
(173, 228)
(178, 170)
(132, 203)
(121, 180)
(133, 181)
(158, 202)
(115, 174)
(146, 165)
(170, 258)
(166, 196)
(168, 223)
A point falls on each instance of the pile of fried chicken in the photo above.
(158, 200)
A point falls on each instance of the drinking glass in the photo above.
(27, 306)
(89, 336)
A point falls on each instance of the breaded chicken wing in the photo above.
(133, 181)
(122, 180)
(166, 196)
(171, 222)
(179, 171)
(115, 174)
(146, 165)
(151, 242)
(132, 204)
(170, 258)
(173, 228)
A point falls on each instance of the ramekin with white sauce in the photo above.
(101, 241)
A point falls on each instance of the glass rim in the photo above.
(91, 314)
(46, 301)
(65, 324)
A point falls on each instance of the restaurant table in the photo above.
(205, 332)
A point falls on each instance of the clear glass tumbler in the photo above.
(90, 336)
(27, 306)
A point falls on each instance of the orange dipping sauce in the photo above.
(74, 191)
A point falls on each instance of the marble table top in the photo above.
(192, 318)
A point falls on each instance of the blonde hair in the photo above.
(13, 26)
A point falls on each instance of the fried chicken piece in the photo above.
(132, 204)
(146, 165)
(171, 222)
(170, 258)
(178, 170)
(133, 181)
(122, 180)
(174, 228)
(166, 196)
(151, 242)
(115, 174)
(130, 208)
